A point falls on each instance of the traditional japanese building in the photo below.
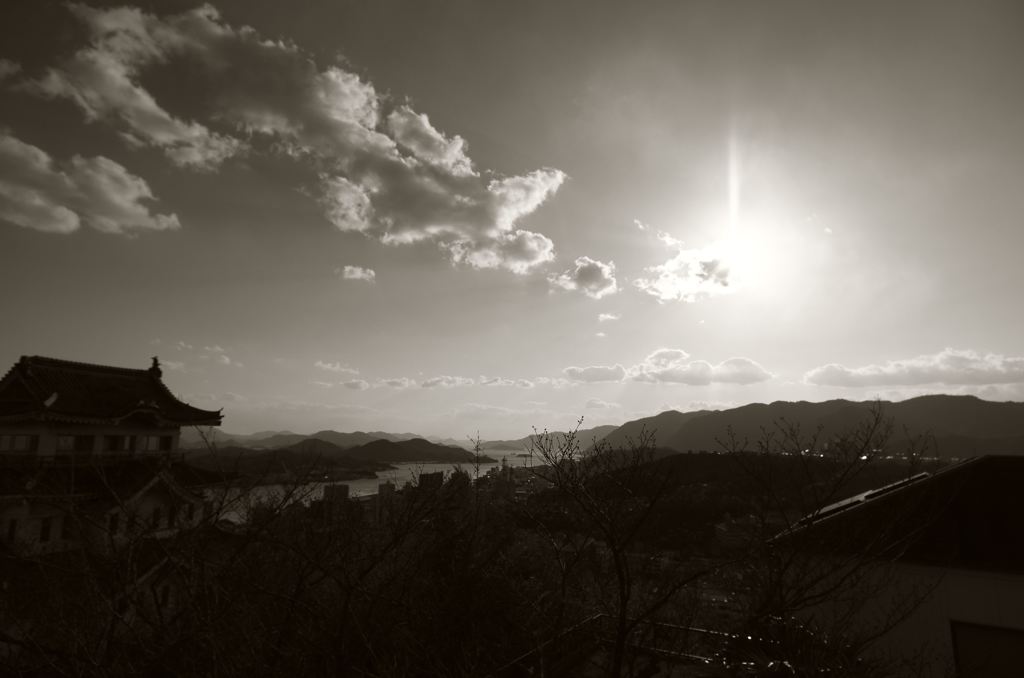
(89, 456)
(62, 411)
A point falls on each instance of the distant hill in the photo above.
(959, 425)
(191, 439)
(662, 426)
(416, 449)
(586, 438)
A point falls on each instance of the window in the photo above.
(172, 515)
(75, 443)
(113, 523)
(45, 525)
(65, 528)
(119, 443)
(190, 511)
(12, 529)
(165, 595)
(155, 519)
(156, 443)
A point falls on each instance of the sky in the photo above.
(454, 218)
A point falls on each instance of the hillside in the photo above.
(416, 449)
(586, 437)
(959, 425)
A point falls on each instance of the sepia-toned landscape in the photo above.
(555, 338)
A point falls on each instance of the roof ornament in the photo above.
(51, 400)
(154, 369)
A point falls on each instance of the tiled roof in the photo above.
(49, 389)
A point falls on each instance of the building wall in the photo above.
(984, 598)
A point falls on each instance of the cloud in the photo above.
(359, 273)
(445, 381)
(600, 335)
(689, 275)
(414, 132)
(948, 367)
(173, 365)
(356, 384)
(595, 373)
(223, 359)
(503, 381)
(608, 317)
(598, 404)
(103, 80)
(37, 193)
(399, 382)
(673, 366)
(392, 176)
(335, 367)
(594, 278)
(8, 68)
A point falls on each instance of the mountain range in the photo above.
(958, 426)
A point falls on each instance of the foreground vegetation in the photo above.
(613, 562)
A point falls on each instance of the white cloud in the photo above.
(948, 367)
(607, 317)
(414, 132)
(356, 384)
(359, 273)
(398, 382)
(598, 404)
(336, 367)
(102, 79)
(393, 177)
(600, 335)
(173, 365)
(224, 359)
(504, 381)
(594, 278)
(690, 275)
(446, 381)
(37, 193)
(674, 366)
(596, 373)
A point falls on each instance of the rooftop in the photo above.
(966, 515)
(43, 389)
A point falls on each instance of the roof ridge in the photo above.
(44, 360)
